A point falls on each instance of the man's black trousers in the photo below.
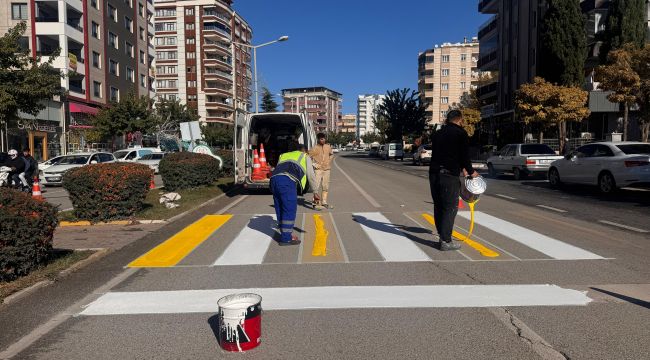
(445, 189)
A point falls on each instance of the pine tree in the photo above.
(268, 104)
(625, 24)
(563, 46)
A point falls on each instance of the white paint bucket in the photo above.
(240, 321)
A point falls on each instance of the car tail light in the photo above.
(633, 163)
(531, 162)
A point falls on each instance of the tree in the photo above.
(404, 113)
(268, 104)
(470, 107)
(551, 105)
(218, 134)
(370, 138)
(619, 77)
(166, 119)
(131, 114)
(563, 48)
(625, 25)
(382, 126)
(640, 64)
(25, 81)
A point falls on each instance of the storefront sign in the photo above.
(36, 126)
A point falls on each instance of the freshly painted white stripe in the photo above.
(340, 297)
(250, 246)
(506, 196)
(552, 208)
(392, 244)
(623, 226)
(542, 243)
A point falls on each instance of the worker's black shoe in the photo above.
(449, 245)
(289, 243)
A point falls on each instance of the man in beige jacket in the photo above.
(322, 156)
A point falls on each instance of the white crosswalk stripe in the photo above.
(252, 243)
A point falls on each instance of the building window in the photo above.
(189, 11)
(444, 100)
(141, 33)
(169, 69)
(97, 89)
(141, 9)
(191, 69)
(114, 67)
(191, 97)
(97, 60)
(166, 26)
(166, 12)
(19, 11)
(142, 57)
(191, 55)
(112, 40)
(189, 26)
(463, 71)
(143, 81)
(131, 4)
(166, 55)
(191, 83)
(130, 74)
(128, 24)
(112, 12)
(129, 50)
(445, 58)
(95, 30)
(445, 87)
(463, 57)
(168, 40)
(190, 41)
(443, 114)
(115, 94)
(445, 72)
(166, 84)
(462, 85)
(94, 4)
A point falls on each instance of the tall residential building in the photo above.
(322, 105)
(105, 54)
(367, 106)
(348, 124)
(194, 57)
(445, 73)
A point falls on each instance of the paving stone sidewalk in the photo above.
(111, 237)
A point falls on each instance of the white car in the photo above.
(152, 160)
(522, 160)
(47, 164)
(133, 154)
(422, 155)
(54, 174)
(609, 165)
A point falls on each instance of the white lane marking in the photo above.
(340, 297)
(539, 242)
(392, 244)
(506, 196)
(252, 243)
(370, 199)
(623, 226)
(552, 208)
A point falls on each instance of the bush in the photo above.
(186, 170)
(110, 191)
(228, 168)
(26, 230)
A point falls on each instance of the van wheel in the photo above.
(606, 183)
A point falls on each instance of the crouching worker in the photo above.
(293, 171)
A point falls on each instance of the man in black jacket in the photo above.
(17, 165)
(449, 159)
(32, 169)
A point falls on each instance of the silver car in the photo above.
(54, 174)
(522, 160)
(152, 160)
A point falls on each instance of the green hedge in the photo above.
(186, 170)
(105, 192)
(228, 168)
(26, 230)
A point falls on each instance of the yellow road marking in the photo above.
(320, 243)
(177, 247)
(477, 246)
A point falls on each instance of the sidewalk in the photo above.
(112, 237)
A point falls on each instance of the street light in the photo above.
(254, 47)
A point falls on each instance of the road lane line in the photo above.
(392, 244)
(252, 243)
(483, 250)
(534, 240)
(302, 239)
(320, 242)
(340, 240)
(432, 233)
(552, 208)
(173, 250)
(370, 199)
(506, 196)
(341, 297)
(623, 226)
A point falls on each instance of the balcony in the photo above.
(46, 45)
(47, 11)
(488, 27)
(211, 71)
(218, 59)
(215, 28)
(74, 18)
(487, 91)
(488, 6)
(214, 13)
(488, 61)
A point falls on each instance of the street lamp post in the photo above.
(254, 47)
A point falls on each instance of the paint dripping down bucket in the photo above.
(240, 322)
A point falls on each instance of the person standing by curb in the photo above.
(449, 159)
(322, 155)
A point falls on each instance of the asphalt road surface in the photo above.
(367, 283)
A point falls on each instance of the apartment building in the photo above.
(102, 53)
(195, 41)
(445, 73)
(367, 106)
(348, 124)
(322, 106)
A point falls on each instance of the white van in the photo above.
(275, 131)
(392, 151)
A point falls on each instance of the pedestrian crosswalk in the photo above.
(254, 244)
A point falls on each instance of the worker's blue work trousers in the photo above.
(285, 199)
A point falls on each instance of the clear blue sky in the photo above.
(352, 46)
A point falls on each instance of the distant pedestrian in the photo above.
(450, 158)
(322, 154)
(294, 171)
(32, 170)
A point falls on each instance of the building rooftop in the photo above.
(309, 90)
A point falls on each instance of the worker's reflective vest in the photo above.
(294, 165)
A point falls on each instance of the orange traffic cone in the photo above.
(460, 204)
(257, 171)
(36, 190)
(263, 164)
(152, 185)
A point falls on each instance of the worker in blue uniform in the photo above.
(293, 172)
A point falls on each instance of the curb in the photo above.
(118, 222)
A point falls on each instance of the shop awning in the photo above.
(81, 108)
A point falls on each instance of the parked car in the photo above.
(54, 174)
(374, 150)
(133, 154)
(422, 155)
(47, 164)
(391, 151)
(522, 160)
(152, 160)
(609, 165)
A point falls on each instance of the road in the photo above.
(560, 286)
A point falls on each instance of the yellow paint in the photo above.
(320, 242)
(473, 244)
(177, 247)
(471, 221)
